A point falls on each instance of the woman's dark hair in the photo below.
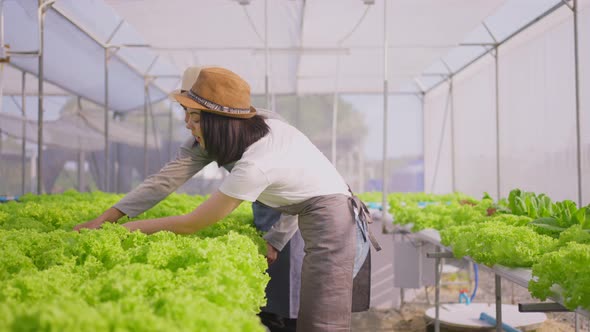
(227, 138)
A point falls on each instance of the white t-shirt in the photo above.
(281, 169)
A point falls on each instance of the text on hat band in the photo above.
(214, 106)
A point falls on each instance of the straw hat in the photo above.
(217, 90)
(188, 78)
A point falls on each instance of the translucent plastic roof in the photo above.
(315, 46)
(74, 38)
(507, 20)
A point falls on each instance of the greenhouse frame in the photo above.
(451, 99)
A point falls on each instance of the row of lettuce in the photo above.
(524, 230)
(54, 279)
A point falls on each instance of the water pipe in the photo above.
(491, 320)
(463, 297)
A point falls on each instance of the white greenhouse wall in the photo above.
(537, 109)
(537, 116)
(584, 55)
(438, 161)
(474, 107)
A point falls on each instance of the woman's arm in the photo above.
(190, 159)
(212, 210)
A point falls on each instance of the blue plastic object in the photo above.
(4, 199)
(422, 204)
(464, 298)
(491, 320)
(374, 205)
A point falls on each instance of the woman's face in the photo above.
(192, 118)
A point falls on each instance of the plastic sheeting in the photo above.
(438, 160)
(404, 143)
(76, 137)
(537, 110)
(73, 60)
(474, 97)
(507, 20)
(12, 84)
(537, 116)
(79, 130)
(306, 38)
(53, 105)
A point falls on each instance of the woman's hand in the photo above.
(111, 215)
(92, 224)
(271, 253)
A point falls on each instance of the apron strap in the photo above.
(365, 218)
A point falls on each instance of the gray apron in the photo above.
(328, 225)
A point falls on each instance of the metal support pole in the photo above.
(81, 156)
(106, 122)
(24, 129)
(452, 125)
(577, 321)
(146, 100)
(453, 162)
(498, 303)
(2, 45)
(153, 122)
(437, 255)
(81, 162)
(145, 131)
(498, 173)
(40, 108)
(440, 142)
(385, 106)
(266, 57)
(117, 164)
(1, 85)
(578, 129)
(334, 126)
(423, 142)
(437, 292)
(2, 60)
(335, 111)
(496, 56)
(107, 159)
(170, 131)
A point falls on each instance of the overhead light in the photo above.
(243, 2)
(369, 2)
